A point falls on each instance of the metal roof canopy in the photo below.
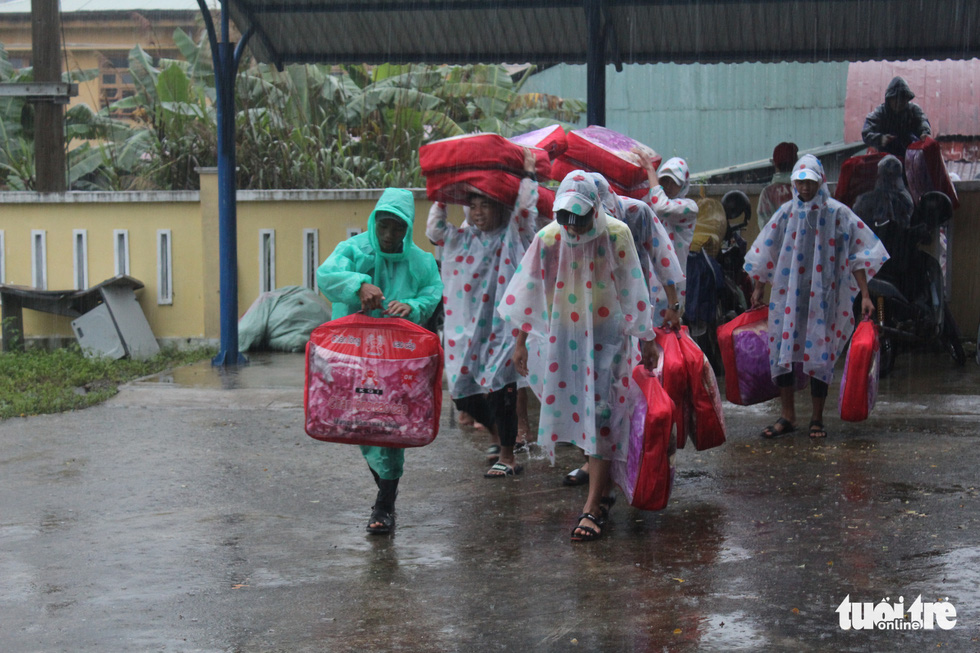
(637, 31)
(594, 32)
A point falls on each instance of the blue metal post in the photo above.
(595, 70)
(225, 69)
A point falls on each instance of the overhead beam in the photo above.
(59, 92)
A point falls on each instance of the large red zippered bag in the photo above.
(744, 346)
(647, 475)
(859, 384)
(373, 381)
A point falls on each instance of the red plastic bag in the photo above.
(859, 385)
(709, 421)
(744, 346)
(926, 171)
(373, 381)
(675, 380)
(647, 475)
(858, 175)
(479, 152)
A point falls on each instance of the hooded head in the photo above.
(394, 211)
(676, 169)
(808, 170)
(578, 207)
(899, 88)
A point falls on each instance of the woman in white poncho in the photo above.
(574, 301)
(817, 255)
(478, 260)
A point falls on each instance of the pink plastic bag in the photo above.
(373, 381)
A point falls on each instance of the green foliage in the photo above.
(37, 381)
(305, 127)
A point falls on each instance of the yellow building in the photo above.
(98, 35)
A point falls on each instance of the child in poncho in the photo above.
(478, 260)
(385, 274)
(573, 303)
(817, 255)
(659, 263)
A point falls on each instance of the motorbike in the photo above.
(908, 292)
(718, 289)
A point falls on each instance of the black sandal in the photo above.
(605, 505)
(385, 518)
(817, 430)
(591, 533)
(785, 428)
(576, 477)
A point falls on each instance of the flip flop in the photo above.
(785, 428)
(576, 477)
(493, 453)
(503, 470)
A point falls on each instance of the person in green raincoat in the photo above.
(385, 274)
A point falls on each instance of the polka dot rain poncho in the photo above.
(809, 252)
(476, 266)
(678, 215)
(579, 299)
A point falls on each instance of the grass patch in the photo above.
(37, 382)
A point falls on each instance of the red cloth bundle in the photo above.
(602, 150)
(647, 475)
(857, 175)
(550, 139)
(373, 381)
(455, 187)
(479, 152)
(926, 171)
(859, 385)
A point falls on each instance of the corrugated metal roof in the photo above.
(715, 115)
(948, 92)
(77, 6)
(552, 31)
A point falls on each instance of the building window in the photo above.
(80, 258)
(311, 257)
(352, 231)
(120, 241)
(115, 81)
(39, 259)
(165, 259)
(267, 260)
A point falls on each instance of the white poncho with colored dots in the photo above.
(580, 298)
(476, 266)
(678, 215)
(809, 253)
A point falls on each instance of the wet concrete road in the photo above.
(196, 515)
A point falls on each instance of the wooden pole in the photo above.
(49, 122)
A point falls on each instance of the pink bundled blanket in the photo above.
(373, 381)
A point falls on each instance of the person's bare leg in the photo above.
(817, 429)
(523, 428)
(787, 402)
(598, 488)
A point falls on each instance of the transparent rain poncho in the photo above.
(809, 253)
(678, 215)
(579, 299)
(659, 261)
(476, 266)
